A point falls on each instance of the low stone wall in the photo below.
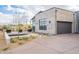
(7, 38)
(2, 39)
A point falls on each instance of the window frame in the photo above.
(42, 24)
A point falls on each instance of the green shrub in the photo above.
(32, 37)
(14, 40)
(20, 38)
(25, 38)
(20, 43)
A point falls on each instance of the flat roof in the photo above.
(50, 9)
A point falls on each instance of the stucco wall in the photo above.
(63, 15)
(50, 16)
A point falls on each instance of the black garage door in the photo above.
(64, 27)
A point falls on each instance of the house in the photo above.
(77, 21)
(54, 21)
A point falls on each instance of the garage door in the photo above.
(64, 27)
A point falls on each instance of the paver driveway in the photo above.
(59, 44)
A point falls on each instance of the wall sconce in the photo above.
(49, 22)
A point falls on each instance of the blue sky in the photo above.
(3, 9)
(7, 12)
(11, 9)
(27, 11)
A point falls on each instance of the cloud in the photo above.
(73, 7)
(5, 19)
(9, 8)
(26, 12)
(14, 10)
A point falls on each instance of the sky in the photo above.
(9, 13)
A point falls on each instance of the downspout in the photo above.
(75, 24)
(32, 24)
(76, 19)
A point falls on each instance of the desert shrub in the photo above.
(20, 43)
(32, 37)
(6, 48)
(14, 40)
(25, 38)
(8, 31)
(7, 27)
(20, 38)
(20, 30)
(29, 30)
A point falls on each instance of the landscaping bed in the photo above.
(18, 41)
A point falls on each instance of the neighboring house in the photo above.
(77, 21)
(54, 21)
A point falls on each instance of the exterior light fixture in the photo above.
(49, 21)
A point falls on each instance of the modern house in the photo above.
(54, 21)
(77, 21)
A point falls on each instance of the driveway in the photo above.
(58, 44)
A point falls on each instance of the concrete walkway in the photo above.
(59, 44)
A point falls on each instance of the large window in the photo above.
(43, 24)
(33, 22)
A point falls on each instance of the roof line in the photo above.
(53, 8)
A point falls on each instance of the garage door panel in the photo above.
(64, 27)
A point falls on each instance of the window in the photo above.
(43, 24)
(33, 22)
